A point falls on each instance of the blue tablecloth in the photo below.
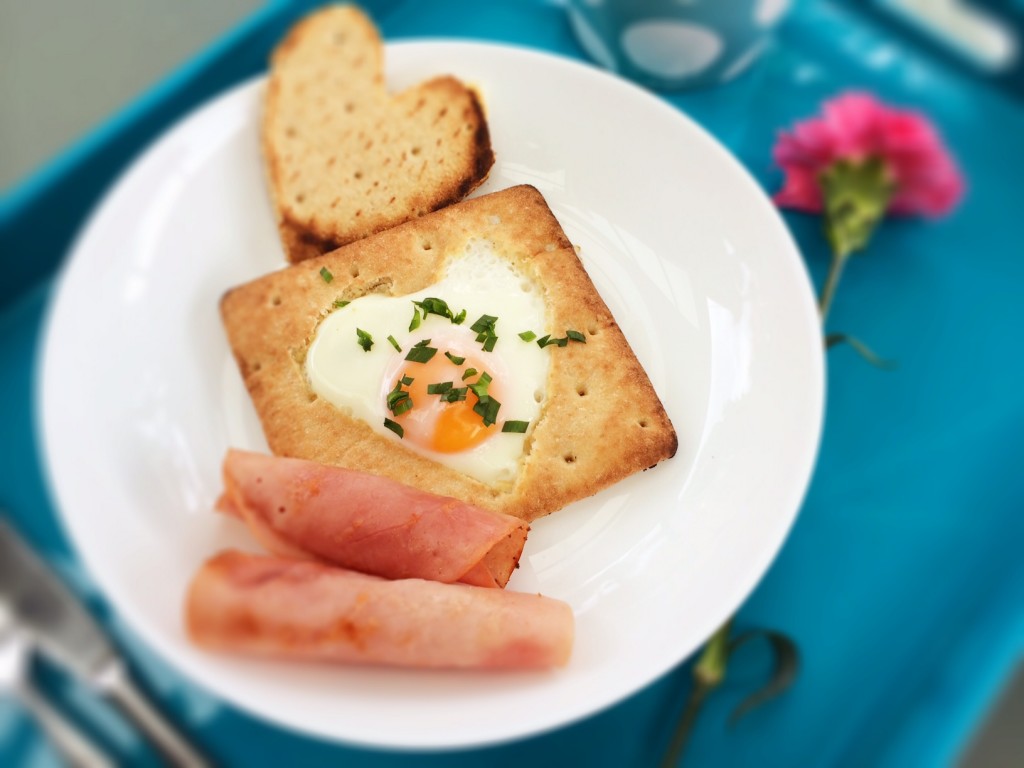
(902, 580)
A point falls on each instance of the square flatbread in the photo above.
(601, 420)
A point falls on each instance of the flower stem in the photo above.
(828, 291)
(708, 673)
(685, 726)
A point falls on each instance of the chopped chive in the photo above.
(460, 318)
(487, 409)
(339, 303)
(422, 343)
(515, 426)
(394, 426)
(484, 328)
(454, 395)
(485, 323)
(415, 323)
(440, 388)
(527, 335)
(547, 341)
(455, 358)
(407, 380)
(365, 339)
(432, 306)
(420, 354)
(398, 399)
(480, 386)
(325, 273)
(394, 343)
(576, 336)
(469, 372)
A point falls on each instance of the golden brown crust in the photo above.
(345, 159)
(602, 420)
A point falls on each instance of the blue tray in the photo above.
(902, 580)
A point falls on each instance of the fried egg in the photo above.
(358, 362)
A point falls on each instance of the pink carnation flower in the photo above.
(856, 126)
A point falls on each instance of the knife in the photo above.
(71, 742)
(67, 634)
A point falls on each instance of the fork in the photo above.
(15, 655)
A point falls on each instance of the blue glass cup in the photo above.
(675, 44)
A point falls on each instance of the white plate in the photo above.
(140, 397)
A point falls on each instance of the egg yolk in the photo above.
(435, 424)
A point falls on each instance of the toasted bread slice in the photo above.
(344, 158)
(601, 419)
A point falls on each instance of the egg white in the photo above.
(479, 281)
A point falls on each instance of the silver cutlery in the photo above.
(68, 635)
(15, 656)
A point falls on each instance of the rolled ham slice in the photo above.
(363, 522)
(272, 606)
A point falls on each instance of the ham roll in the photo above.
(367, 523)
(272, 606)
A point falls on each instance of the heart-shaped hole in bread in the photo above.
(346, 159)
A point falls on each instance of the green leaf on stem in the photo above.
(861, 348)
(856, 195)
(709, 673)
(787, 667)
